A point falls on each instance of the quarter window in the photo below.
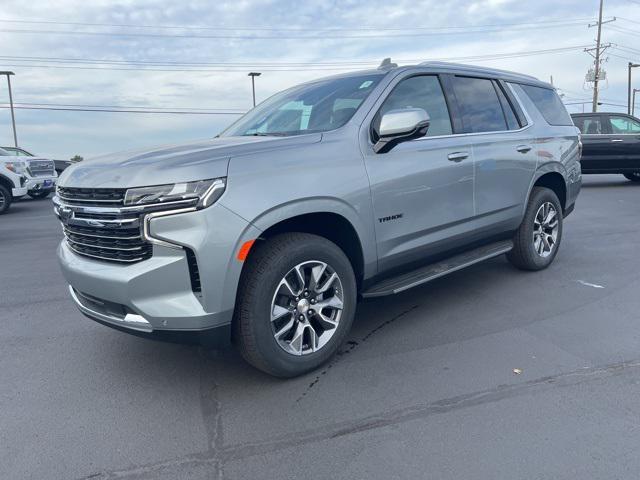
(547, 101)
(479, 105)
(424, 92)
(622, 125)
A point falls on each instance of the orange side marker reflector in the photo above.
(243, 253)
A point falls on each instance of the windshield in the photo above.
(4, 153)
(317, 107)
(17, 151)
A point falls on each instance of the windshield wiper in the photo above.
(265, 134)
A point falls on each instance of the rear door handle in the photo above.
(617, 140)
(523, 148)
(458, 156)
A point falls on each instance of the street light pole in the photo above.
(253, 76)
(629, 67)
(13, 117)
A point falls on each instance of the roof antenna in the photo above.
(386, 64)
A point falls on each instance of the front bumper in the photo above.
(38, 183)
(156, 295)
(19, 192)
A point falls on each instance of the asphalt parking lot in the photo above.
(425, 388)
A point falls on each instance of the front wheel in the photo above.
(634, 177)
(537, 240)
(296, 303)
(5, 199)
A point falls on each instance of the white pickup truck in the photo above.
(21, 176)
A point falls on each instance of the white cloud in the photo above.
(68, 133)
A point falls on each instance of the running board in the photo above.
(427, 273)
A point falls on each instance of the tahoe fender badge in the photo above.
(390, 217)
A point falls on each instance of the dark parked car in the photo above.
(611, 143)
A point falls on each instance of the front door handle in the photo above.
(617, 140)
(458, 156)
(523, 148)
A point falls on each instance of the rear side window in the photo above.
(589, 125)
(623, 125)
(479, 105)
(549, 104)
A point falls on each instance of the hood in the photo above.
(172, 164)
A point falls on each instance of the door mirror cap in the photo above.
(400, 126)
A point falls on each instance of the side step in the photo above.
(427, 273)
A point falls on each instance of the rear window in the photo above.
(479, 105)
(549, 104)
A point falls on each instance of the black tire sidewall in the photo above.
(634, 177)
(280, 362)
(539, 197)
(7, 199)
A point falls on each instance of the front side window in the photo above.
(317, 107)
(623, 125)
(589, 125)
(479, 105)
(423, 91)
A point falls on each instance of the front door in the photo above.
(597, 153)
(625, 139)
(422, 190)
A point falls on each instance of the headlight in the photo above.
(203, 193)
(16, 167)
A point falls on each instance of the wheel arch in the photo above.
(553, 177)
(328, 218)
(7, 183)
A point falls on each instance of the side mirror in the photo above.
(398, 126)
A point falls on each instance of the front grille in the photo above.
(41, 168)
(99, 197)
(106, 232)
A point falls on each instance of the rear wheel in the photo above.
(5, 199)
(634, 177)
(536, 242)
(296, 303)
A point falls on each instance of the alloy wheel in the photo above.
(545, 229)
(307, 307)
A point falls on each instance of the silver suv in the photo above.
(354, 186)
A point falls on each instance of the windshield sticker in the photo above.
(366, 84)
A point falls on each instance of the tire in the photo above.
(262, 291)
(39, 195)
(634, 177)
(5, 199)
(536, 232)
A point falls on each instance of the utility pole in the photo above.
(597, 67)
(253, 76)
(599, 50)
(13, 117)
(629, 104)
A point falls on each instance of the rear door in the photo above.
(502, 149)
(598, 152)
(625, 140)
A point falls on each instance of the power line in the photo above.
(291, 29)
(108, 110)
(324, 36)
(137, 65)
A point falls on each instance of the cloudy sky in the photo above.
(193, 57)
